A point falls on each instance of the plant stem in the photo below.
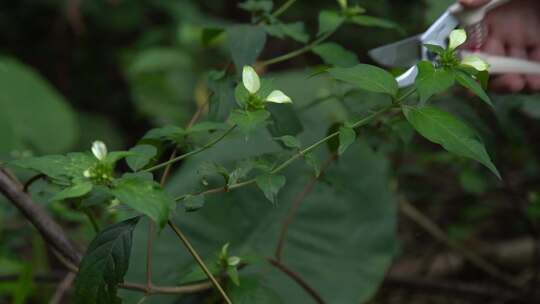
(196, 256)
(298, 52)
(149, 244)
(194, 152)
(296, 156)
(92, 220)
(283, 8)
(298, 279)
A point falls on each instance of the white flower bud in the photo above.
(476, 62)
(457, 38)
(233, 261)
(278, 97)
(250, 79)
(99, 149)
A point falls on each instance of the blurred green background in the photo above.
(72, 71)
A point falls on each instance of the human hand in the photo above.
(513, 30)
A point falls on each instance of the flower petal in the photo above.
(457, 38)
(278, 97)
(251, 80)
(99, 149)
(475, 62)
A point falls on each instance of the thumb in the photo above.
(473, 3)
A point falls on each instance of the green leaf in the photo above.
(207, 126)
(367, 77)
(146, 197)
(209, 35)
(290, 142)
(455, 136)
(436, 49)
(295, 30)
(329, 21)
(284, 120)
(253, 291)
(193, 202)
(346, 137)
(196, 274)
(113, 157)
(169, 132)
(143, 154)
(270, 184)
(248, 121)
(334, 54)
(77, 190)
(371, 21)
(312, 161)
(59, 167)
(232, 273)
(470, 83)
(431, 81)
(105, 264)
(36, 114)
(245, 43)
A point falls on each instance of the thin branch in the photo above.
(294, 157)
(42, 221)
(185, 289)
(435, 231)
(32, 180)
(297, 52)
(298, 279)
(197, 258)
(63, 288)
(283, 8)
(296, 205)
(191, 153)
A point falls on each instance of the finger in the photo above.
(506, 82)
(473, 3)
(533, 81)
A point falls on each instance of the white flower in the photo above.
(475, 62)
(457, 38)
(278, 97)
(252, 83)
(251, 80)
(233, 261)
(87, 173)
(343, 3)
(99, 149)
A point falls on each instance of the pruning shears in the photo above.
(408, 52)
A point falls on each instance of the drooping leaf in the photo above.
(270, 184)
(248, 121)
(146, 197)
(77, 190)
(59, 167)
(105, 264)
(346, 137)
(143, 155)
(367, 77)
(329, 21)
(334, 54)
(232, 273)
(455, 136)
(245, 43)
(470, 83)
(431, 81)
